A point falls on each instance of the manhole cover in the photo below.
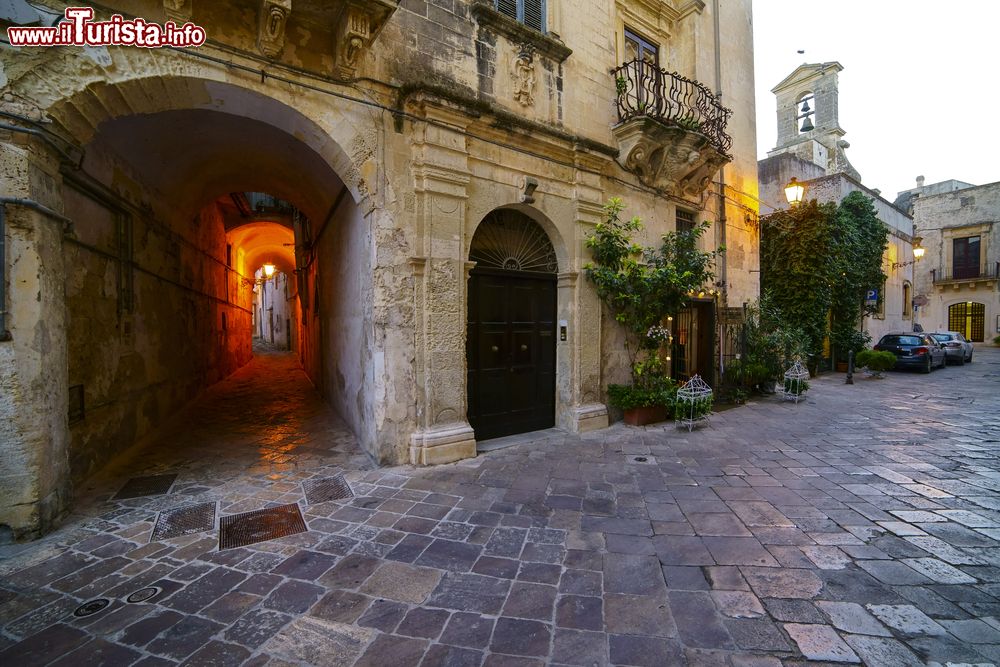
(138, 487)
(184, 521)
(91, 607)
(144, 594)
(239, 530)
(326, 489)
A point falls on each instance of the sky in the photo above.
(920, 88)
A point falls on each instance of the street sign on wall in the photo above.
(871, 297)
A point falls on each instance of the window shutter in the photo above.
(507, 7)
(534, 14)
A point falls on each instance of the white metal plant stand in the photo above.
(694, 402)
(796, 382)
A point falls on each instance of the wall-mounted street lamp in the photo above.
(794, 191)
(268, 270)
(918, 254)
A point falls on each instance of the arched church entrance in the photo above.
(511, 343)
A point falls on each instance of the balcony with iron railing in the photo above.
(957, 275)
(671, 130)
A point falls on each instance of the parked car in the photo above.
(956, 346)
(914, 350)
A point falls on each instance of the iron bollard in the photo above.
(850, 368)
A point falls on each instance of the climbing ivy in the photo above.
(795, 269)
(860, 240)
(818, 261)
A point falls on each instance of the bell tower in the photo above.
(808, 118)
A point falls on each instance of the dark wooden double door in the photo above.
(511, 352)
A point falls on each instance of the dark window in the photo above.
(965, 257)
(639, 47)
(685, 221)
(229, 255)
(529, 12)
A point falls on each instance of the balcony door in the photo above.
(965, 257)
(638, 47)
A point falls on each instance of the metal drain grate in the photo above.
(327, 488)
(239, 530)
(91, 607)
(184, 521)
(138, 487)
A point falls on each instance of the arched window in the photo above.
(805, 110)
(907, 301)
(508, 239)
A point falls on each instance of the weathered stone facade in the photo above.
(394, 130)
(941, 216)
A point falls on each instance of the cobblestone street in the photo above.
(862, 526)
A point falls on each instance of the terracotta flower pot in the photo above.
(647, 415)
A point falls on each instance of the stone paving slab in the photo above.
(837, 531)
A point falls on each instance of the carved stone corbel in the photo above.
(358, 24)
(273, 16)
(669, 158)
(178, 11)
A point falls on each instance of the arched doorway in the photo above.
(969, 319)
(511, 343)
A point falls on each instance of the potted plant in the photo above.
(640, 287)
(846, 339)
(876, 361)
(647, 403)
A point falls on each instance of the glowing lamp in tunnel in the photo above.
(268, 270)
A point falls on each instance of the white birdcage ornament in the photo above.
(796, 382)
(694, 402)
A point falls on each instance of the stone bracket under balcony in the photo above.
(668, 157)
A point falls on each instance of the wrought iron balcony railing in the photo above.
(647, 90)
(961, 273)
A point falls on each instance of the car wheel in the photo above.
(961, 360)
(969, 360)
(927, 366)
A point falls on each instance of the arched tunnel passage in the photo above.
(165, 286)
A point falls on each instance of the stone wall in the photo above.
(443, 118)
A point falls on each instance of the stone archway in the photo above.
(150, 298)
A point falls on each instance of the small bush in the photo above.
(627, 397)
(875, 360)
(701, 408)
(996, 340)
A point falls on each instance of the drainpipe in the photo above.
(35, 206)
(4, 334)
(722, 176)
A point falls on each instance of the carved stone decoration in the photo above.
(357, 26)
(273, 16)
(669, 158)
(523, 73)
(178, 11)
